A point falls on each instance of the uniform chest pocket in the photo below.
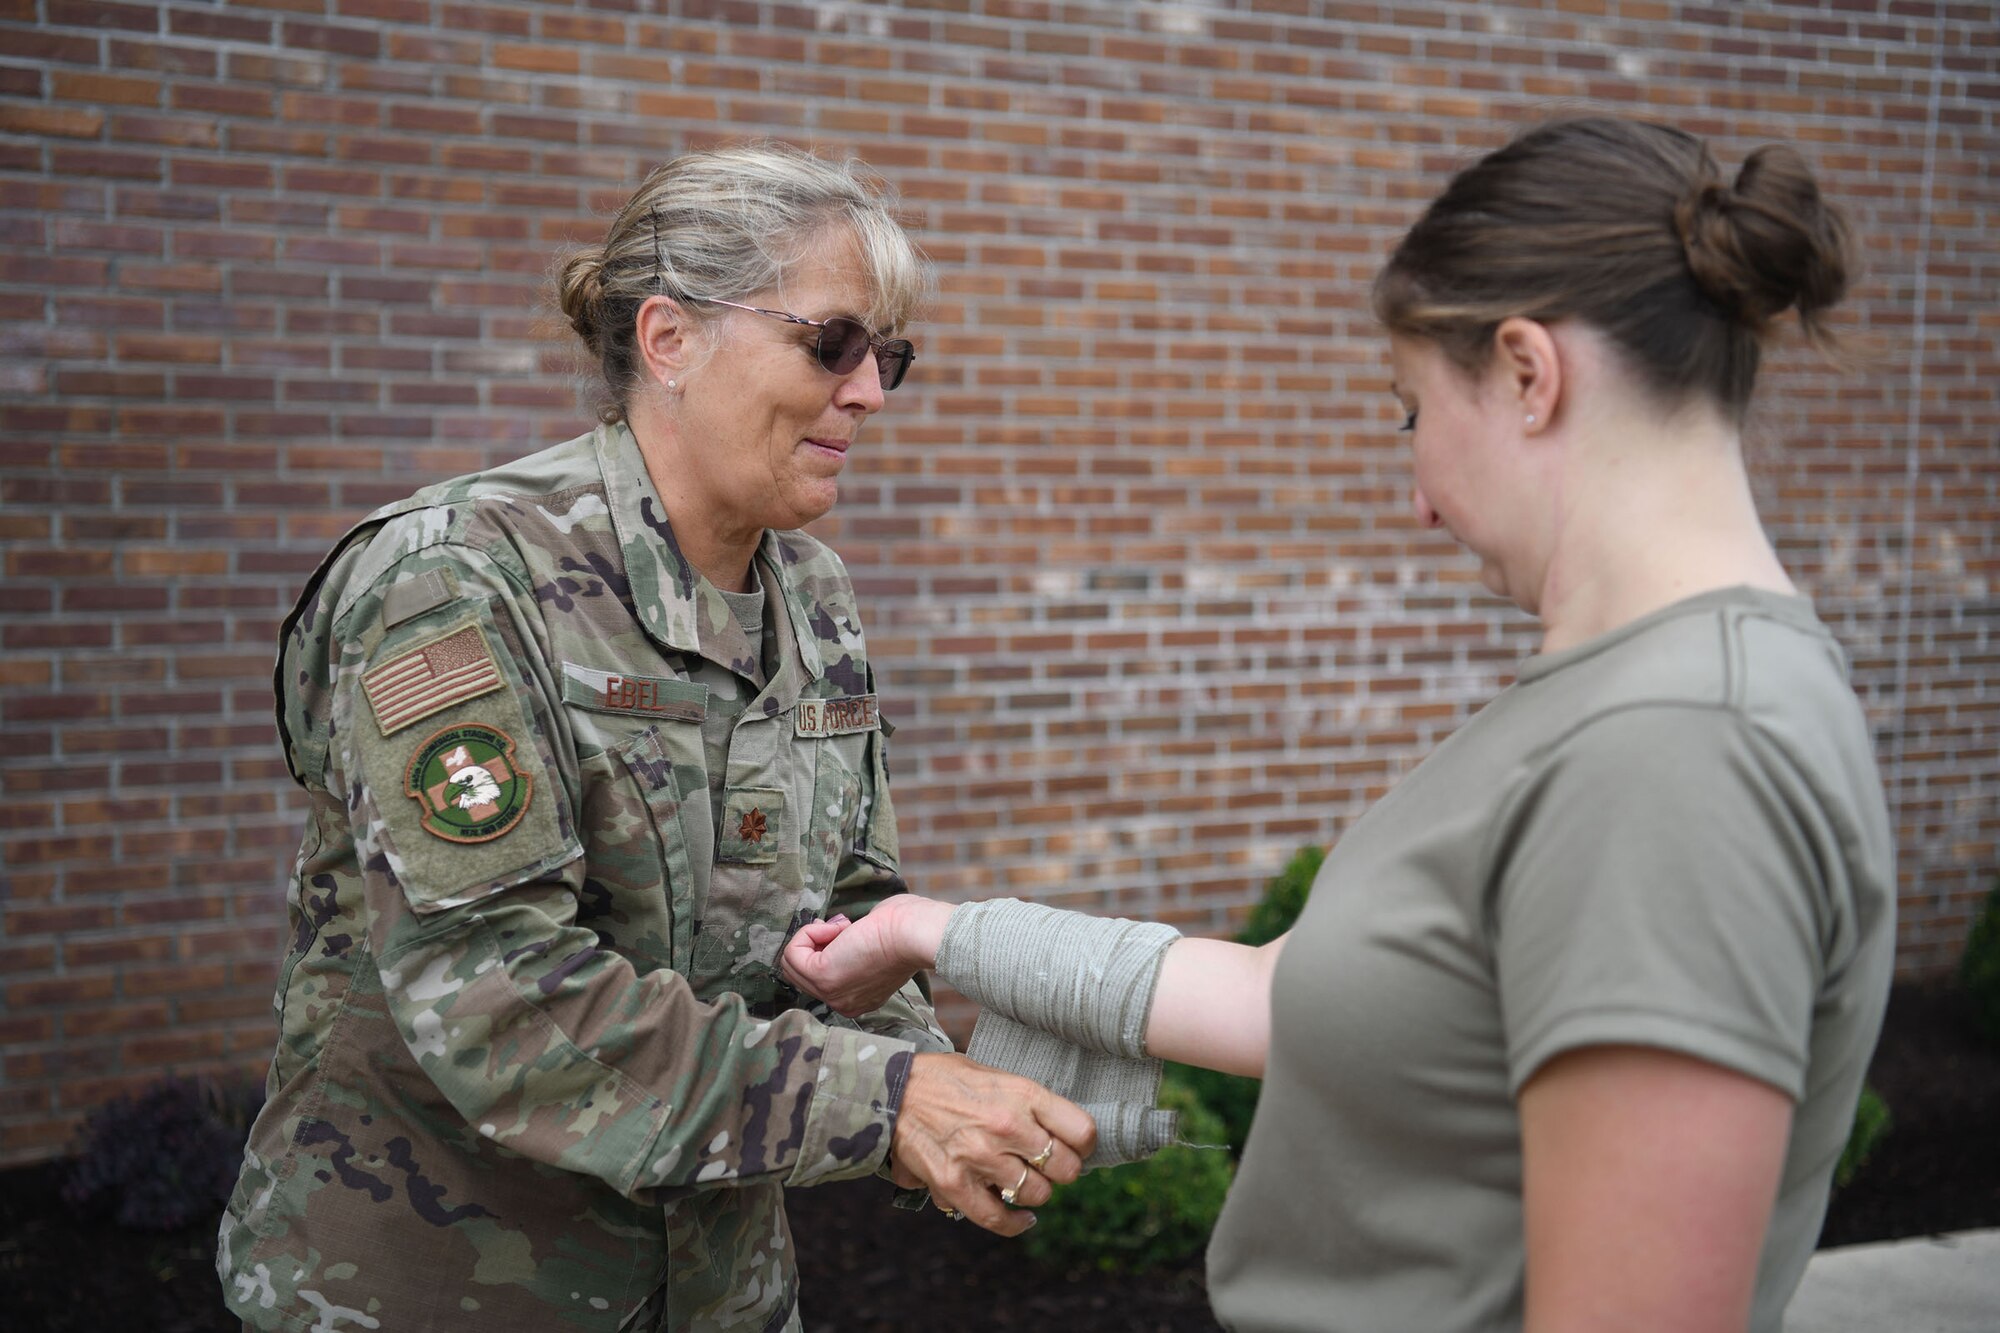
(753, 893)
(835, 819)
(670, 832)
(783, 840)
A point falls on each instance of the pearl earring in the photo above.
(1531, 419)
(670, 384)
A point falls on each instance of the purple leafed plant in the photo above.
(162, 1158)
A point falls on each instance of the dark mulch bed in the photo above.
(868, 1268)
(1939, 1169)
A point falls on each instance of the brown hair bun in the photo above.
(1628, 226)
(1767, 244)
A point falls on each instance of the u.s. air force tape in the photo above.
(836, 717)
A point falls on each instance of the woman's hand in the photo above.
(981, 1139)
(855, 966)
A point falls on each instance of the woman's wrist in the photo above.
(919, 925)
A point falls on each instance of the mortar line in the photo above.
(1912, 469)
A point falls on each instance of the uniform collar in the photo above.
(676, 606)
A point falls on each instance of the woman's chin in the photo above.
(810, 500)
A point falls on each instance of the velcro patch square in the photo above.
(430, 677)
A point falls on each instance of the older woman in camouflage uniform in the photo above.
(586, 737)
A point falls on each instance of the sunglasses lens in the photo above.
(892, 361)
(842, 344)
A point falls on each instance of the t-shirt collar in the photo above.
(676, 606)
(1797, 610)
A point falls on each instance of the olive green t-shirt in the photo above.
(1672, 836)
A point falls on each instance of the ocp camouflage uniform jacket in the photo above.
(536, 1067)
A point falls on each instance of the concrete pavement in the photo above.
(1936, 1284)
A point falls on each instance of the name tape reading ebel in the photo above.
(628, 692)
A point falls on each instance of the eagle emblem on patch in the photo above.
(465, 781)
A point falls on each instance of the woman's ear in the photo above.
(664, 339)
(1528, 361)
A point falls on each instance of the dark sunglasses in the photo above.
(842, 342)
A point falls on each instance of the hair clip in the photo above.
(658, 266)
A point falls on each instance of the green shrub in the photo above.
(1979, 969)
(1231, 1097)
(1284, 898)
(1871, 1125)
(1127, 1219)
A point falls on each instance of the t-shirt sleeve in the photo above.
(1657, 884)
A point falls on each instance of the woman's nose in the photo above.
(1426, 515)
(862, 386)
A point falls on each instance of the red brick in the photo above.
(110, 384)
(98, 14)
(1145, 463)
(55, 992)
(89, 1093)
(339, 39)
(23, 814)
(167, 347)
(169, 1048)
(113, 163)
(122, 1018)
(66, 122)
(114, 880)
(20, 1030)
(253, 1009)
(65, 637)
(118, 90)
(180, 979)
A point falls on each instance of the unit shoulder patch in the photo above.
(451, 668)
(465, 781)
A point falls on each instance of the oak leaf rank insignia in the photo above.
(752, 827)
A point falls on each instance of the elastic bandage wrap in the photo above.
(1064, 999)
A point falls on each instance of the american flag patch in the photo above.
(429, 677)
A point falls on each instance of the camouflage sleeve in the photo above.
(466, 802)
(868, 873)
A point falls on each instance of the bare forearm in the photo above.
(1212, 1007)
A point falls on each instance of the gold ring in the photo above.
(1012, 1192)
(1041, 1159)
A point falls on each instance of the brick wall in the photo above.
(1134, 541)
